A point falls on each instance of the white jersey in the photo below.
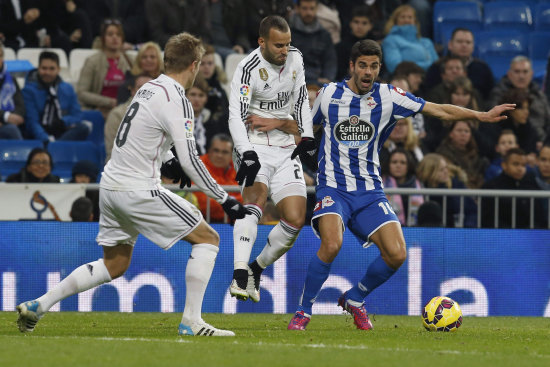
(264, 89)
(159, 117)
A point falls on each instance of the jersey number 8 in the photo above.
(124, 127)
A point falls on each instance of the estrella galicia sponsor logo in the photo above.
(353, 132)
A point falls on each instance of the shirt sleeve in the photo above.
(180, 126)
(302, 112)
(316, 111)
(239, 101)
(405, 104)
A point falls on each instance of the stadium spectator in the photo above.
(461, 44)
(12, 106)
(256, 10)
(435, 172)
(460, 149)
(37, 169)
(218, 103)
(148, 62)
(19, 23)
(85, 172)
(75, 24)
(381, 11)
(228, 29)
(206, 126)
(430, 214)
(116, 115)
(402, 136)
(218, 162)
(403, 40)
(412, 72)
(360, 25)
(418, 119)
(104, 72)
(52, 108)
(82, 210)
(506, 141)
(514, 176)
(520, 76)
(451, 68)
(399, 171)
(314, 42)
(312, 90)
(542, 169)
(329, 19)
(167, 17)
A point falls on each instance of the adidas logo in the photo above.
(267, 86)
(90, 269)
(249, 163)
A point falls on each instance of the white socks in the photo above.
(81, 279)
(280, 240)
(244, 236)
(197, 275)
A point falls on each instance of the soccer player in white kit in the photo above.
(132, 200)
(263, 86)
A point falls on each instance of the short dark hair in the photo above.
(273, 21)
(36, 151)
(448, 58)
(365, 48)
(460, 29)
(81, 209)
(517, 151)
(363, 11)
(406, 68)
(223, 137)
(298, 2)
(515, 95)
(48, 55)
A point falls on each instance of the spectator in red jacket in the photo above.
(218, 162)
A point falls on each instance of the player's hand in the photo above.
(307, 150)
(263, 124)
(250, 165)
(495, 114)
(234, 209)
(172, 169)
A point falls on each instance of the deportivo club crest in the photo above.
(263, 74)
(353, 132)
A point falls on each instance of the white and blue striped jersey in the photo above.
(355, 129)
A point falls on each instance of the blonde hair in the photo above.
(411, 142)
(393, 18)
(181, 51)
(428, 170)
(136, 68)
(220, 73)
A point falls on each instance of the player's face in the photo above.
(462, 45)
(48, 70)
(197, 98)
(461, 97)
(208, 66)
(521, 113)
(360, 26)
(398, 165)
(149, 61)
(543, 162)
(505, 143)
(363, 73)
(460, 134)
(442, 174)
(220, 153)
(400, 131)
(515, 167)
(40, 165)
(405, 17)
(275, 47)
(520, 74)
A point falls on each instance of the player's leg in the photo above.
(280, 240)
(331, 231)
(244, 235)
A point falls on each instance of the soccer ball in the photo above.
(442, 314)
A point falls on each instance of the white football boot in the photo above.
(203, 329)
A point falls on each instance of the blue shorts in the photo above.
(363, 212)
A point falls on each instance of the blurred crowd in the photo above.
(420, 152)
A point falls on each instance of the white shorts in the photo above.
(282, 176)
(160, 215)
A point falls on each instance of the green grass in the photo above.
(150, 339)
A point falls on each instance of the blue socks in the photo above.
(317, 273)
(377, 273)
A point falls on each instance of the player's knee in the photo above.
(397, 258)
(296, 221)
(116, 269)
(213, 238)
(329, 249)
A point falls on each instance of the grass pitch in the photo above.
(150, 339)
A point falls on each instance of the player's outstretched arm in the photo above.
(449, 112)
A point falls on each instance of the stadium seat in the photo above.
(231, 63)
(14, 153)
(218, 60)
(9, 54)
(448, 15)
(76, 61)
(507, 15)
(66, 153)
(32, 54)
(98, 125)
(497, 48)
(542, 16)
(539, 50)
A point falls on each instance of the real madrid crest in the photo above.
(263, 74)
(294, 75)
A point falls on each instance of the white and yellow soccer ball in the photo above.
(442, 314)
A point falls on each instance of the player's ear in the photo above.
(261, 42)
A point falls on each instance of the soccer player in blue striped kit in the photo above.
(357, 116)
